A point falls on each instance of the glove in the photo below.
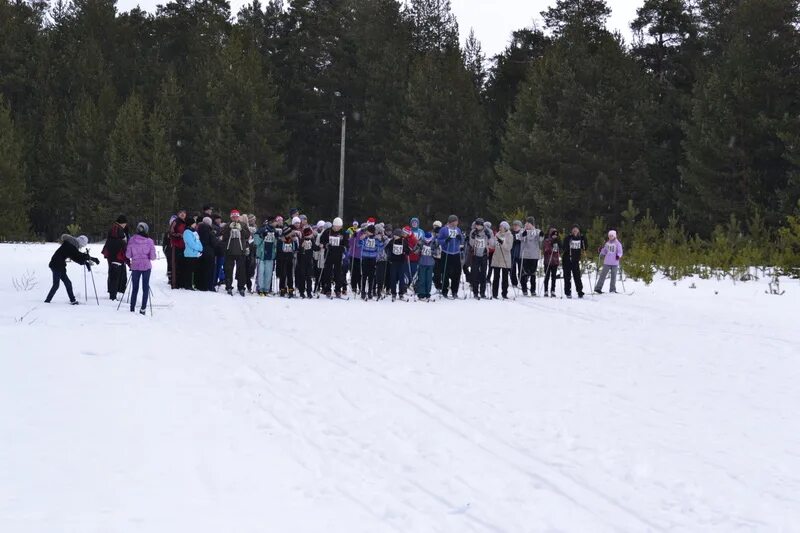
(500, 241)
(525, 233)
(89, 266)
(95, 260)
(541, 233)
(617, 258)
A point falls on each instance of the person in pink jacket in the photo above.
(141, 251)
(611, 252)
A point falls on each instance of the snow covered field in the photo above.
(670, 410)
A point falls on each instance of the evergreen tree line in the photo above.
(103, 112)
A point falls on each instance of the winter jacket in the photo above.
(412, 244)
(235, 236)
(265, 239)
(397, 250)
(381, 239)
(451, 239)
(176, 230)
(206, 235)
(479, 242)
(552, 250)
(353, 249)
(531, 244)
(427, 251)
(368, 246)
(573, 248)
(289, 241)
(611, 252)
(219, 246)
(503, 242)
(141, 251)
(68, 250)
(515, 250)
(193, 246)
(117, 240)
(335, 242)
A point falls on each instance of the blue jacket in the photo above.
(427, 251)
(265, 239)
(368, 247)
(450, 246)
(193, 246)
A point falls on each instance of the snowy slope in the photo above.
(670, 410)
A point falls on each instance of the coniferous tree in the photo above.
(13, 190)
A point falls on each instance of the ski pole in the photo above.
(95, 288)
(502, 252)
(127, 290)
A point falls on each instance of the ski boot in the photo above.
(241, 293)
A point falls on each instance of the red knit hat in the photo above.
(235, 213)
(371, 220)
(407, 230)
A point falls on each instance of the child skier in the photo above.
(381, 261)
(141, 251)
(551, 262)
(290, 238)
(426, 249)
(69, 249)
(398, 251)
(611, 252)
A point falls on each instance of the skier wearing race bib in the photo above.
(574, 247)
(334, 244)
(478, 255)
(427, 249)
(290, 238)
(450, 239)
(530, 253)
(304, 271)
(397, 250)
(381, 261)
(437, 258)
(501, 260)
(368, 246)
(236, 236)
(611, 252)
(551, 261)
(265, 239)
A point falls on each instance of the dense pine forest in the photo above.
(694, 124)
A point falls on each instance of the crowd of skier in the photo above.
(291, 257)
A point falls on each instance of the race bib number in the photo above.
(480, 244)
(452, 233)
(426, 250)
(269, 237)
(575, 245)
(306, 244)
(397, 249)
(335, 240)
(612, 248)
(369, 244)
(555, 248)
(236, 234)
(287, 247)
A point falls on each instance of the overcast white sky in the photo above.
(493, 20)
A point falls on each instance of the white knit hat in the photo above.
(83, 240)
(612, 234)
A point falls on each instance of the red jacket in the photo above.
(176, 234)
(116, 243)
(552, 252)
(412, 243)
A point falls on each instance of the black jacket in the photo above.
(572, 248)
(67, 250)
(390, 252)
(206, 235)
(335, 243)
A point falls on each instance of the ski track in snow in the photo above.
(670, 410)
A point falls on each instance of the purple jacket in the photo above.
(353, 250)
(611, 251)
(141, 250)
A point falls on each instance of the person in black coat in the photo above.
(204, 276)
(573, 248)
(69, 249)
(114, 252)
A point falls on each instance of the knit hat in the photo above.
(303, 218)
(504, 225)
(320, 224)
(296, 220)
(371, 220)
(397, 232)
(293, 211)
(207, 221)
(575, 226)
(328, 225)
(479, 222)
(612, 234)
(531, 220)
(235, 213)
(355, 223)
(428, 235)
(437, 224)
(83, 240)
(452, 218)
(517, 223)
(307, 231)
(413, 220)
(379, 227)
(122, 219)
(251, 219)
(407, 230)
(487, 225)
(143, 228)
(337, 223)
